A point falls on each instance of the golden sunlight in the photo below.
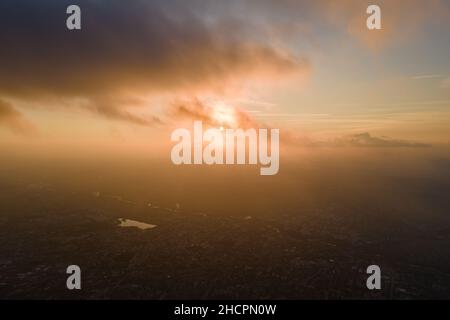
(224, 114)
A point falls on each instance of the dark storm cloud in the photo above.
(125, 48)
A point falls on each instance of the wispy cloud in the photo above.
(367, 140)
(428, 76)
(14, 120)
(358, 140)
(445, 83)
(402, 20)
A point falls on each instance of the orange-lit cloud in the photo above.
(402, 20)
(176, 48)
(358, 140)
(14, 120)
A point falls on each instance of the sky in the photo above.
(138, 69)
(86, 118)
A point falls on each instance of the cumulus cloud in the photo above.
(125, 50)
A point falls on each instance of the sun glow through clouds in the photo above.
(224, 114)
